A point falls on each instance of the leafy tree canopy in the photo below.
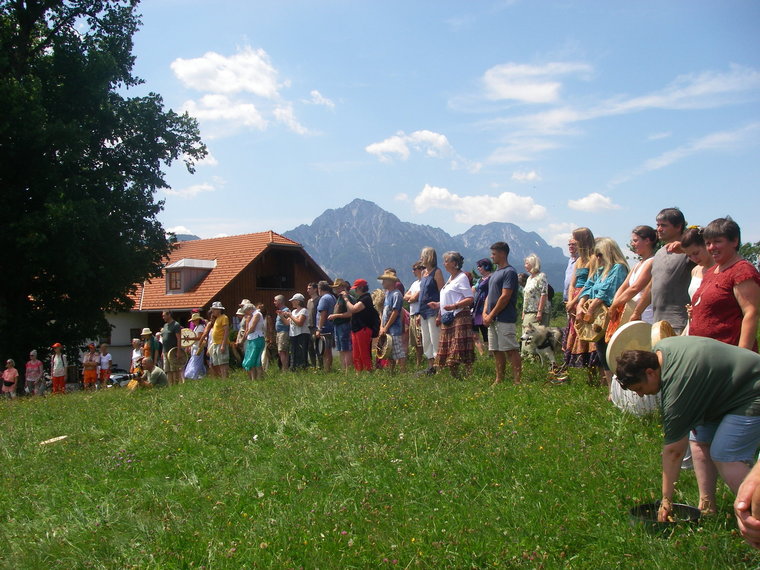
(79, 165)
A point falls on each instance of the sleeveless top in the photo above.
(694, 285)
(581, 275)
(428, 292)
(648, 314)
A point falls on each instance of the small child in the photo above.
(58, 367)
(10, 377)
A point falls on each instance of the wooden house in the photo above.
(254, 266)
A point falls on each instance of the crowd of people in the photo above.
(691, 277)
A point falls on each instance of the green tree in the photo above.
(751, 252)
(80, 162)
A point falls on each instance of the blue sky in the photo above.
(549, 115)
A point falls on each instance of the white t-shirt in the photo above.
(105, 361)
(454, 291)
(258, 329)
(294, 329)
(414, 308)
(137, 354)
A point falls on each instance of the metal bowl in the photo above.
(645, 516)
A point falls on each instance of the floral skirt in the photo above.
(456, 344)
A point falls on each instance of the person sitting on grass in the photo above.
(152, 376)
(704, 382)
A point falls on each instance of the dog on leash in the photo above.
(542, 341)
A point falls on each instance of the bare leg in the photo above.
(733, 473)
(500, 359)
(327, 359)
(707, 475)
(516, 362)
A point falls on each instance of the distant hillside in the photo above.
(186, 237)
(361, 240)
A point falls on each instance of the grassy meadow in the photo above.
(322, 470)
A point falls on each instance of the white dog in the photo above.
(543, 341)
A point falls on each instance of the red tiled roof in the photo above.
(232, 255)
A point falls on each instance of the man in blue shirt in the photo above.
(325, 327)
(392, 322)
(500, 314)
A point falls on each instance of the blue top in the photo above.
(504, 278)
(605, 288)
(394, 300)
(581, 276)
(428, 292)
(481, 292)
(326, 303)
(279, 325)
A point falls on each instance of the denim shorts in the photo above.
(734, 438)
(342, 336)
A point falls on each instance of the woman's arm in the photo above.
(746, 518)
(438, 276)
(298, 320)
(672, 456)
(747, 294)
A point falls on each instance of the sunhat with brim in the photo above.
(217, 305)
(244, 302)
(388, 275)
(196, 317)
(297, 297)
(239, 312)
(636, 335)
(339, 283)
(383, 346)
(146, 332)
(360, 283)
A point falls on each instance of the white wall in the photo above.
(121, 340)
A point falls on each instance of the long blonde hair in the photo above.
(611, 254)
(429, 258)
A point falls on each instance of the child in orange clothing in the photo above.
(58, 366)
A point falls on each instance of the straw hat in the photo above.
(388, 275)
(146, 332)
(217, 305)
(339, 283)
(196, 317)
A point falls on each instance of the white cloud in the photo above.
(284, 114)
(433, 145)
(659, 136)
(559, 234)
(401, 197)
(247, 71)
(221, 108)
(520, 150)
(429, 143)
(594, 202)
(529, 83)
(179, 230)
(483, 209)
(718, 141)
(528, 135)
(318, 99)
(531, 176)
(242, 90)
(190, 191)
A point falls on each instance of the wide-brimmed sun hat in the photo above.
(388, 275)
(196, 317)
(217, 305)
(146, 332)
(339, 283)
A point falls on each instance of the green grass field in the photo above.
(331, 471)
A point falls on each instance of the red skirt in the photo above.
(456, 344)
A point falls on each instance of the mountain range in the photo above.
(361, 239)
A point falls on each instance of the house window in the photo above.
(175, 281)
